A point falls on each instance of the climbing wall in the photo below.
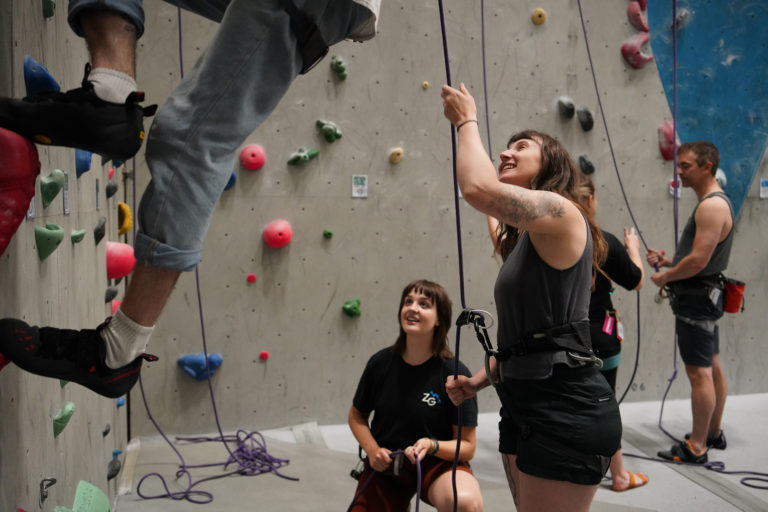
(290, 354)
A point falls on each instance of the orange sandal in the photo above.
(635, 480)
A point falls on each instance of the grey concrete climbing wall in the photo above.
(405, 228)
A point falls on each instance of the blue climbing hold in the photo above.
(121, 401)
(194, 364)
(231, 182)
(82, 161)
(37, 79)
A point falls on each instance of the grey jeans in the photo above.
(234, 86)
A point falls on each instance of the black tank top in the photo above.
(719, 260)
(531, 297)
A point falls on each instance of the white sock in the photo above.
(111, 85)
(125, 340)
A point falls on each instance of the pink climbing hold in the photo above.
(19, 166)
(667, 144)
(277, 233)
(251, 278)
(264, 355)
(120, 260)
(115, 305)
(252, 157)
(632, 52)
(635, 16)
(111, 172)
(643, 4)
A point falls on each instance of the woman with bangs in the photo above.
(403, 385)
(560, 423)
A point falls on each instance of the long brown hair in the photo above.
(560, 175)
(442, 302)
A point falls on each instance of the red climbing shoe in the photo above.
(19, 166)
(79, 119)
(76, 356)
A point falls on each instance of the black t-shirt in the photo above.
(410, 402)
(620, 269)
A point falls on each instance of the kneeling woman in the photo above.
(405, 385)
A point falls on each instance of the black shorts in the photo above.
(698, 346)
(575, 407)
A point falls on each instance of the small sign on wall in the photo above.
(359, 185)
(763, 188)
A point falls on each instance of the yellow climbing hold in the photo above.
(425, 85)
(538, 16)
(395, 155)
(124, 218)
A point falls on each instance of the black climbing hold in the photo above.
(566, 107)
(111, 189)
(106, 430)
(585, 118)
(587, 167)
(100, 230)
(110, 294)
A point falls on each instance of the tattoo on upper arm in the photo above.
(515, 208)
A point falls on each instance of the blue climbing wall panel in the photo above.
(722, 91)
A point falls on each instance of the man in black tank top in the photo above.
(701, 255)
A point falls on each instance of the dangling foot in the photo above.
(632, 481)
(76, 356)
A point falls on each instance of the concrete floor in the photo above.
(321, 457)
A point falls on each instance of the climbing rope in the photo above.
(369, 479)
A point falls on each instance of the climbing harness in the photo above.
(398, 458)
(313, 46)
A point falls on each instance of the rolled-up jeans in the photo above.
(234, 86)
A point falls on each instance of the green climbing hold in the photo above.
(62, 418)
(51, 185)
(89, 498)
(327, 233)
(77, 235)
(329, 130)
(302, 156)
(49, 8)
(339, 67)
(59, 508)
(63, 382)
(48, 238)
(352, 307)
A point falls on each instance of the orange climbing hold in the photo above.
(19, 166)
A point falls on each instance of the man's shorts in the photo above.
(698, 345)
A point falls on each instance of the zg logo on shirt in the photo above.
(431, 398)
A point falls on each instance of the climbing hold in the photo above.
(721, 178)
(264, 355)
(110, 294)
(395, 155)
(329, 130)
(566, 107)
(642, 4)
(538, 16)
(51, 185)
(632, 52)
(120, 259)
(48, 238)
(120, 401)
(37, 78)
(635, 16)
(251, 278)
(63, 383)
(194, 364)
(100, 230)
(586, 165)
(302, 156)
(675, 185)
(231, 182)
(124, 218)
(115, 305)
(111, 173)
(62, 418)
(49, 8)
(586, 120)
(113, 468)
(327, 233)
(667, 143)
(82, 161)
(106, 430)
(682, 19)
(3, 361)
(339, 67)
(425, 85)
(77, 235)
(111, 189)
(252, 157)
(19, 166)
(89, 498)
(352, 307)
(117, 163)
(277, 233)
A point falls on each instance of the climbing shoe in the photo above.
(76, 356)
(683, 453)
(714, 441)
(79, 119)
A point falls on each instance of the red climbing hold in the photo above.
(264, 355)
(252, 157)
(667, 144)
(19, 166)
(120, 260)
(251, 278)
(631, 50)
(3, 361)
(635, 16)
(277, 233)
(115, 305)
